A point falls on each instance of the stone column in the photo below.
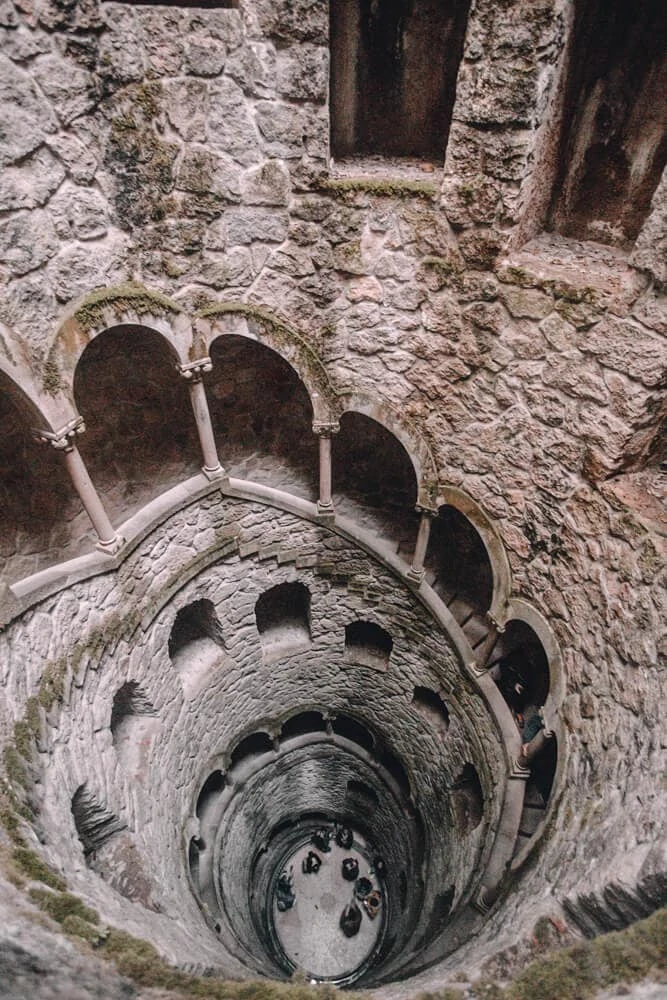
(482, 658)
(325, 432)
(193, 373)
(417, 572)
(529, 751)
(63, 441)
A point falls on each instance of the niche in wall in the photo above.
(430, 705)
(283, 619)
(133, 726)
(393, 75)
(95, 824)
(613, 144)
(467, 799)
(368, 645)
(196, 644)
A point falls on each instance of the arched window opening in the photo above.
(350, 729)
(40, 512)
(393, 75)
(196, 644)
(95, 824)
(520, 668)
(467, 800)
(459, 567)
(430, 705)
(133, 725)
(262, 417)
(253, 745)
(283, 619)
(368, 644)
(613, 145)
(210, 791)
(140, 435)
(374, 480)
(302, 724)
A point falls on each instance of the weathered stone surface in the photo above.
(650, 252)
(26, 118)
(79, 213)
(230, 123)
(266, 184)
(77, 266)
(204, 173)
(186, 103)
(70, 89)
(27, 240)
(627, 348)
(31, 184)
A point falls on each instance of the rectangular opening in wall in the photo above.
(613, 145)
(393, 76)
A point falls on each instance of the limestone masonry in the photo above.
(332, 363)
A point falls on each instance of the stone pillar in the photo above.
(325, 432)
(417, 572)
(63, 441)
(482, 658)
(529, 751)
(193, 373)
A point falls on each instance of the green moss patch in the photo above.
(130, 297)
(282, 336)
(33, 868)
(61, 905)
(579, 972)
(386, 188)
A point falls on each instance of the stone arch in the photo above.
(244, 319)
(521, 611)
(450, 496)
(262, 416)
(418, 450)
(141, 434)
(129, 305)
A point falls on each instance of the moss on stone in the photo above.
(579, 972)
(60, 905)
(52, 684)
(282, 335)
(130, 297)
(15, 768)
(74, 926)
(52, 382)
(387, 188)
(445, 266)
(32, 866)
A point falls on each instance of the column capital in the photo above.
(62, 439)
(195, 370)
(324, 428)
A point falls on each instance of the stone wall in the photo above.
(188, 149)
